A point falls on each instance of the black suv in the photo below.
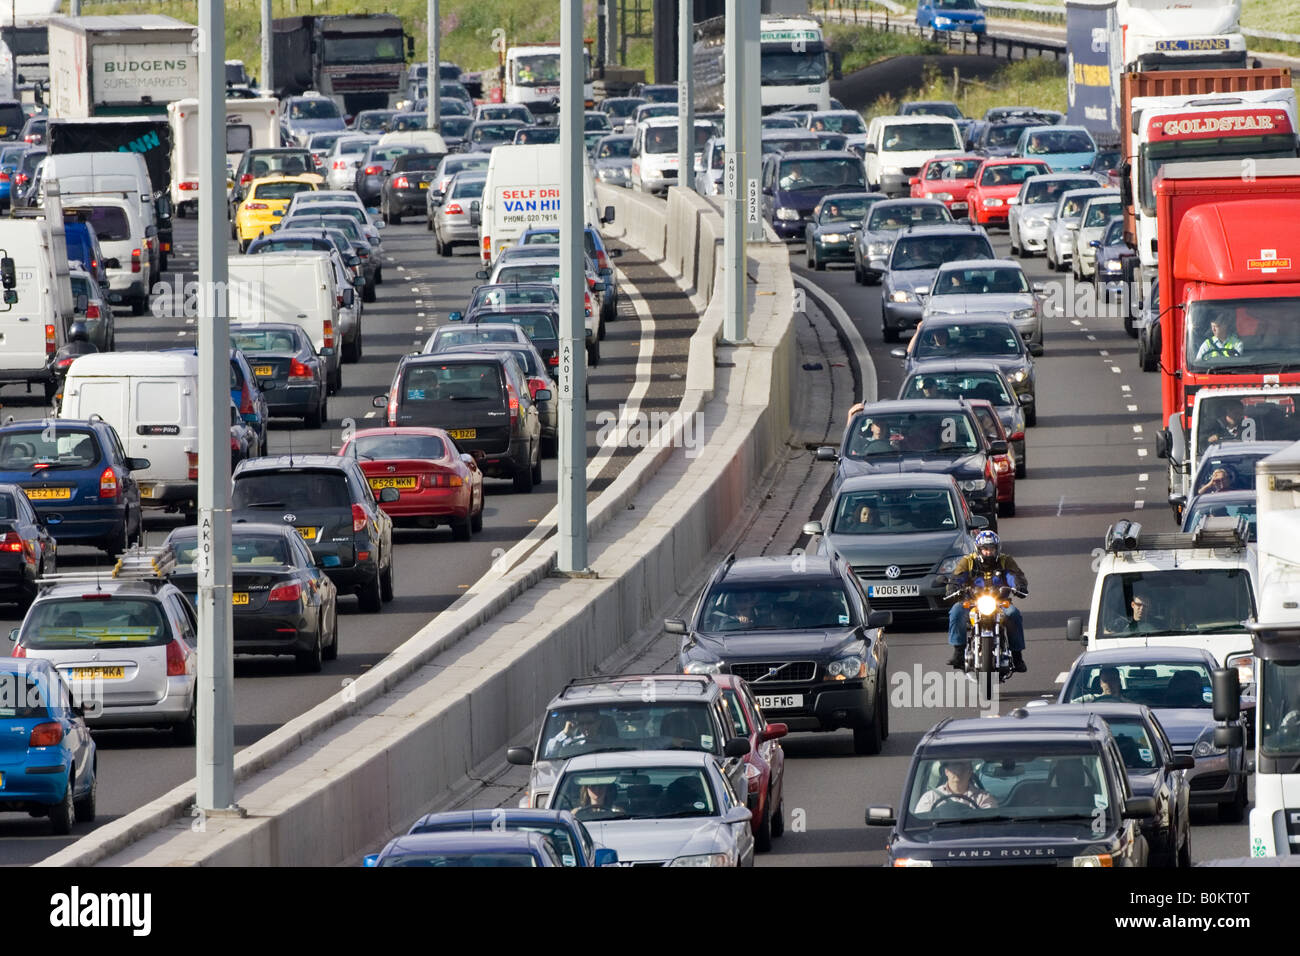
(329, 501)
(483, 401)
(935, 436)
(798, 628)
(1038, 787)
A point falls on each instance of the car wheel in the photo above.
(84, 809)
(818, 264)
(1007, 509)
(1128, 326)
(763, 835)
(778, 818)
(1015, 249)
(184, 732)
(888, 334)
(537, 468)
(444, 248)
(462, 529)
(1022, 465)
(115, 545)
(867, 740)
(593, 353)
(386, 581)
(309, 661)
(884, 707)
(1047, 254)
(550, 447)
(1185, 851)
(316, 418)
(859, 276)
(371, 596)
(331, 651)
(63, 813)
(337, 382)
(1235, 809)
(368, 292)
(1031, 417)
(350, 353)
(394, 216)
(524, 480)
(476, 521)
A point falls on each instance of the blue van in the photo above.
(83, 247)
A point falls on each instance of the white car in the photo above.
(1065, 223)
(1092, 225)
(1032, 213)
(340, 163)
(988, 285)
(664, 807)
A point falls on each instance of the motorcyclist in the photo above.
(986, 560)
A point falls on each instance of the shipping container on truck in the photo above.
(1229, 252)
(250, 124)
(120, 66)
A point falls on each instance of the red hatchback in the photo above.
(947, 179)
(764, 764)
(998, 181)
(1004, 466)
(436, 484)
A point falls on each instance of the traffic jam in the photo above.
(1181, 706)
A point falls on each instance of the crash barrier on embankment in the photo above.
(339, 780)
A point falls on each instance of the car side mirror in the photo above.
(737, 814)
(827, 453)
(774, 732)
(813, 527)
(137, 464)
(1227, 693)
(1013, 201)
(736, 747)
(1139, 808)
(979, 521)
(278, 213)
(389, 495)
(1183, 763)
(614, 253)
(454, 316)
(878, 619)
(13, 635)
(870, 147)
(604, 856)
(349, 296)
(1036, 349)
(520, 756)
(1038, 287)
(81, 303)
(998, 446)
(1228, 737)
(379, 401)
(1074, 629)
(481, 274)
(1095, 243)
(607, 216)
(898, 353)
(543, 395)
(915, 180)
(1162, 443)
(880, 816)
(674, 625)
(634, 152)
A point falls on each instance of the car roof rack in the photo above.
(136, 564)
(1210, 531)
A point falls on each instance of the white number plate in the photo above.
(894, 590)
(780, 701)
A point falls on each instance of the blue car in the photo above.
(47, 757)
(1066, 149)
(485, 848)
(83, 247)
(950, 16)
(9, 157)
(77, 478)
(569, 838)
(794, 183)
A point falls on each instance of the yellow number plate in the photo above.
(98, 673)
(49, 494)
(146, 491)
(263, 371)
(379, 483)
(308, 534)
(239, 597)
(424, 185)
(463, 432)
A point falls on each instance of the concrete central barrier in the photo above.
(339, 780)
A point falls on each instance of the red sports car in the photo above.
(764, 764)
(436, 484)
(1003, 465)
(996, 182)
(947, 179)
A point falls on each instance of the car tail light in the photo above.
(92, 311)
(443, 479)
(392, 409)
(63, 363)
(4, 177)
(108, 483)
(256, 205)
(554, 360)
(234, 443)
(591, 283)
(177, 659)
(246, 401)
(328, 337)
(514, 403)
(49, 734)
(189, 186)
(316, 159)
(299, 371)
(602, 260)
(1018, 436)
(18, 651)
(245, 179)
(358, 519)
(401, 182)
(587, 302)
(51, 344)
(374, 170)
(535, 385)
(487, 248)
(455, 209)
(1001, 464)
(193, 460)
(285, 592)
(22, 179)
(135, 260)
(12, 542)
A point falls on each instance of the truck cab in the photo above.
(1194, 589)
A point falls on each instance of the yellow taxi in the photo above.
(265, 197)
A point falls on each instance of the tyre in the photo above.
(63, 813)
(331, 652)
(368, 292)
(1022, 466)
(1031, 416)
(444, 248)
(884, 708)
(778, 818)
(462, 529)
(867, 740)
(1015, 249)
(370, 597)
(1051, 261)
(537, 469)
(184, 732)
(818, 264)
(394, 217)
(386, 581)
(1007, 509)
(593, 353)
(1128, 326)
(84, 809)
(763, 835)
(476, 521)
(1235, 809)
(316, 418)
(550, 447)
(524, 480)
(1185, 851)
(350, 353)
(888, 334)
(336, 382)
(139, 305)
(309, 661)
(858, 275)
(117, 543)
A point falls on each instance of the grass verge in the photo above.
(1034, 82)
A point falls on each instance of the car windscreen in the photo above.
(256, 341)
(1009, 174)
(445, 338)
(638, 793)
(536, 325)
(992, 280)
(1134, 741)
(1098, 212)
(522, 858)
(374, 447)
(107, 621)
(521, 294)
(894, 216)
(531, 272)
(1005, 134)
(942, 109)
(839, 123)
(930, 252)
(291, 490)
(245, 548)
(902, 137)
(977, 385)
(821, 173)
(847, 208)
(614, 147)
(313, 109)
(894, 511)
(283, 190)
(1211, 506)
(494, 132)
(289, 162)
(944, 434)
(416, 162)
(48, 451)
(1157, 684)
(468, 187)
(454, 126)
(1227, 472)
(1271, 415)
(1114, 233)
(464, 383)
(1175, 601)
(1058, 141)
(1051, 190)
(110, 223)
(952, 169)
(969, 338)
(817, 603)
(572, 730)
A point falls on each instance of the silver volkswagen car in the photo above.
(989, 285)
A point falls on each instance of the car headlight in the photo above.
(949, 564)
(652, 173)
(1095, 859)
(788, 214)
(908, 861)
(703, 859)
(1034, 222)
(994, 201)
(850, 667)
(877, 249)
(943, 197)
(1019, 375)
(942, 21)
(1205, 748)
(703, 667)
(1111, 265)
(834, 237)
(986, 604)
(891, 170)
(973, 484)
(900, 295)
(1023, 314)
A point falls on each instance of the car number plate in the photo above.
(424, 185)
(958, 205)
(97, 673)
(239, 597)
(146, 491)
(779, 701)
(48, 494)
(308, 534)
(463, 432)
(894, 590)
(263, 371)
(404, 482)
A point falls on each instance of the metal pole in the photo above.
(685, 94)
(611, 30)
(750, 116)
(733, 322)
(267, 88)
(215, 753)
(74, 9)
(572, 556)
(435, 76)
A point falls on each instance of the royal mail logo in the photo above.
(1268, 261)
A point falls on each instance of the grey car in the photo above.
(1065, 222)
(900, 534)
(303, 115)
(834, 225)
(451, 164)
(911, 263)
(973, 379)
(613, 160)
(887, 220)
(983, 285)
(453, 222)
(1097, 212)
(1034, 209)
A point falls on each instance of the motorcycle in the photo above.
(988, 645)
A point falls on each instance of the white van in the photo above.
(897, 147)
(152, 399)
(522, 191)
(35, 312)
(87, 176)
(122, 235)
(250, 124)
(655, 159)
(297, 287)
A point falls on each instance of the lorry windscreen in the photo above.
(351, 48)
(1244, 335)
(1181, 601)
(784, 67)
(1203, 149)
(1279, 731)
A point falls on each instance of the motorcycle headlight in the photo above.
(788, 214)
(973, 484)
(986, 604)
(703, 667)
(1023, 314)
(994, 201)
(703, 859)
(943, 197)
(949, 564)
(900, 295)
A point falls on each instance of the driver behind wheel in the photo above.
(959, 787)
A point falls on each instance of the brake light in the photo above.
(246, 401)
(327, 337)
(51, 344)
(49, 734)
(392, 408)
(193, 460)
(4, 177)
(455, 209)
(178, 664)
(189, 186)
(256, 205)
(401, 182)
(602, 260)
(316, 159)
(22, 179)
(63, 363)
(234, 443)
(12, 542)
(1018, 436)
(135, 260)
(108, 483)
(285, 592)
(591, 283)
(487, 248)
(374, 170)
(245, 179)
(553, 360)
(298, 370)
(514, 403)
(18, 651)
(587, 303)
(358, 519)
(535, 385)
(92, 311)
(340, 164)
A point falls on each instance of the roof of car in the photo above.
(127, 587)
(625, 686)
(136, 363)
(910, 480)
(982, 264)
(936, 228)
(806, 155)
(302, 178)
(490, 815)
(777, 567)
(965, 318)
(279, 462)
(1136, 655)
(639, 759)
(1103, 708)
(466, 841)
(442, 358)
(898, 406)
(245, 527)
(934, 366)
(1035, 722)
